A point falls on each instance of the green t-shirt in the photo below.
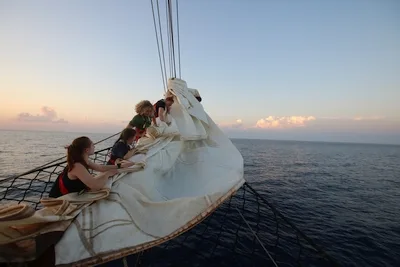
(140, 122)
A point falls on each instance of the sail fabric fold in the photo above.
(25, 233)
(191, 168)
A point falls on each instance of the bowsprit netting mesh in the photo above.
(31, 186)
(246, 230)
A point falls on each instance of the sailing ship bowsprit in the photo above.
(186, 204)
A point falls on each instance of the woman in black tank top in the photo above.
(161, 106)
(76, 176)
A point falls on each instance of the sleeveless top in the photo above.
(63, 185)
(159, 104)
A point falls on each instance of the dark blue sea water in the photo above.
(344, 196)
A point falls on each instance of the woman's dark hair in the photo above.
(126, 134)
(75, 151)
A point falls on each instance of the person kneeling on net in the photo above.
(121, 150)
(76, 177)
(142, 120)
(162, 108)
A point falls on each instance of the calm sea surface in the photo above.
(344, 196)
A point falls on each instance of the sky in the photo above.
(297, 70)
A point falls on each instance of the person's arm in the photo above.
(93, 182)
(161, 114)
(105, 168)
(129, 154)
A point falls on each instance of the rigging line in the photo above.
(171, 24)
(169, 39)
(162, 46)
(179, 44)
(158, 44)
(256, 236)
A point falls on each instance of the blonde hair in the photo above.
(142, 105)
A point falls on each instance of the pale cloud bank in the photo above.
(372, 129)
(238, 124)
(297, 127)
(371, 118)
(47, 115)
(356, 118)
(277, 122)
(307, 122)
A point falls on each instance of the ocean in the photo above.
(344, 196)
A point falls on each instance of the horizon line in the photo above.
(231, 138)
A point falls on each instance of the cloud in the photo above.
(356, 118)
(371, 118)
(276, 122)
(235, 125)
(47, 115)
(238, 124)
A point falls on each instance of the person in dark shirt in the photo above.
(76, 176)
(160, 107)
(121, 149)
(142, 120)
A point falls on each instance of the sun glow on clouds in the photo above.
(276, 122)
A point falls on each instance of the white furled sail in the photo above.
(191, 168)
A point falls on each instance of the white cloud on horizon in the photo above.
(371, 118)
(311, 125)
(48, 115)
(276, 122)
(356, 118)
(238, 124)
(271, 127)
(320, 129)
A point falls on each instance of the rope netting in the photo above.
(31, 186)
(246, 230)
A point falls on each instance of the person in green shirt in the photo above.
(142, 120)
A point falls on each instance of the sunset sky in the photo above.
(300, 70)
